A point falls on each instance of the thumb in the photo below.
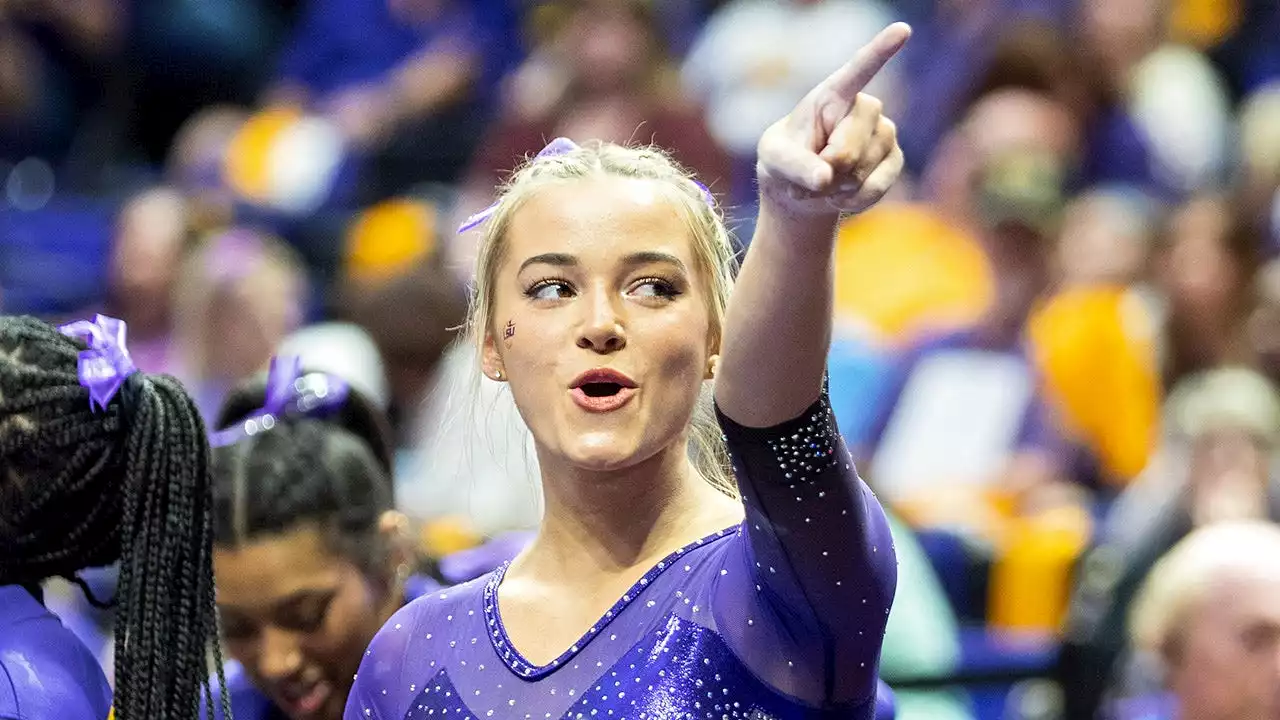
(796, 164)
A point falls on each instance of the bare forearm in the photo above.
(778, 329)
(834, 152)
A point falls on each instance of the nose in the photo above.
(602, 328)
(279, 656)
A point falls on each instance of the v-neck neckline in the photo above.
(520, 665)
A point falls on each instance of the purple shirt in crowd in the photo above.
(782, 616)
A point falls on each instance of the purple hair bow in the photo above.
(289, 393)
(559, 146)
(106, 364)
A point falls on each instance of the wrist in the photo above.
(800, 230)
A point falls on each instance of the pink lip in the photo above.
(607, 403)
(309, 702)
(603, 375)
(604, 403)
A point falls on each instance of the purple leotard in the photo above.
(46, 672)
(782, 616)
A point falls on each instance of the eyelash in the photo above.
(663, 288)
(311, 618)
(532, 291)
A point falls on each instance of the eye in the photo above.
(549, 289)
(653, 287)
(1260, 637)
(237, 628)
(307, 616)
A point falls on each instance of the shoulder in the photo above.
(435, 609)
(445, 600)
(45, 670)
(419, 640)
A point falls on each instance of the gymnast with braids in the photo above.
(311, 556)
(707, 550)
(99, 464)
(308, 548)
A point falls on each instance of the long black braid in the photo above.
(127, 483)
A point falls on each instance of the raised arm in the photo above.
(833, 153)
(805, 594)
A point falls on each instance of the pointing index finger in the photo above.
(854, 75)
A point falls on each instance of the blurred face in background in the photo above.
(1003, 125)
(1118, 33)
(1201, 275)
(1225, 662)
(610, 44)
(1230, 471)
(150, 234)
(1102, 242)
(248, 319)
(240, 295)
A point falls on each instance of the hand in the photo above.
(835, 151)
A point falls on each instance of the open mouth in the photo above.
(304, 701)
(601, 389)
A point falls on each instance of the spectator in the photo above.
(239, 294)
(1209, 618)
(600, 73)
(414, 100)
(1215, 466)
(151, 238)
(1205, 264)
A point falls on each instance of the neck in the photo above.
(610, 522)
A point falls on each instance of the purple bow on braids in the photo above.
(559, 146)
(105, 365)
(289, 393)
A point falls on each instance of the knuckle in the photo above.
(876, 188)
(870, 103)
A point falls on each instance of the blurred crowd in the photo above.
(1058, 343)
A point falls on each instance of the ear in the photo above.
(713, 366)
(491, 359)
(394, 526)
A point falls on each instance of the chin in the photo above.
(602, 452)
(600, 460)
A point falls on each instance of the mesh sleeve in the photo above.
(805, 594)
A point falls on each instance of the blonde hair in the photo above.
(712, 249)
(1181, 580)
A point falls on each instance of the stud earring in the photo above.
(497, 374)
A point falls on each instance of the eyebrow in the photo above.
(291, 600)
(648, 257)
